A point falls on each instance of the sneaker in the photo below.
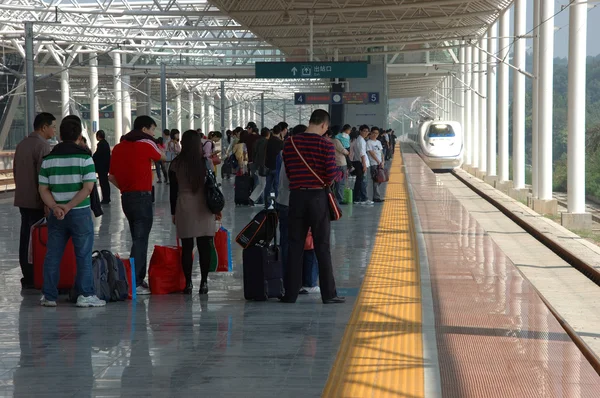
(312, 290)
(44, 302)
(89, 301)
(303, 291)
(369, 203)
(142, 291)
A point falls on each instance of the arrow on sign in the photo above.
(294, 70)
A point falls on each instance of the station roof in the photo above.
(236, 33)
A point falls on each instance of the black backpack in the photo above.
(117, 278)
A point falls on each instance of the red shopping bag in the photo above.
(309, 243)
(223, 248)
(166, 274)
(129, 275)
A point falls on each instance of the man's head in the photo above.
(284, 129)
(265, 132)
(251, 127)
(166, 132)
(145, 124)
(364, 131)
(299, 129)
(73, 118)
(100, 135)
(277, 131)
(374, 133)
(70, 131)
(319, 122)
(45, 125)
(346, 129)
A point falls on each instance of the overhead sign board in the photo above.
(311, 70)
(336, 98)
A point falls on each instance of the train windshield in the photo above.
(440, 131)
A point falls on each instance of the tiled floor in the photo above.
(495, 336)
(163, 346)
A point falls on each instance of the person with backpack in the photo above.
(191, 215)
(209, 148)
(67, 177)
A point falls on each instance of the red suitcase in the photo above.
(68, 264)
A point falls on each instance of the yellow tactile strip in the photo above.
(381, 354)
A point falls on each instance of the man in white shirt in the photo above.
(375, 152)
(360, 162)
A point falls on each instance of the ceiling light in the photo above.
(286, 17)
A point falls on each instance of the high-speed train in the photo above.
(439, 143)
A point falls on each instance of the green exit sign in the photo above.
(311, 70)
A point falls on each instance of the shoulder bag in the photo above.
(214, 197)
(335, 212)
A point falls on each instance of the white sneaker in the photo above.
(90, 301)
(47, 303)
(369, 203)
(312, 290)
(142, 291)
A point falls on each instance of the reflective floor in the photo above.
(176, 345)
(495, 336)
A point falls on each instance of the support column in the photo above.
(576, 119)
(518, 131)
(545, 203)
(148, 97)
(503, 89)
(126, 103)
(163, 97)
(65, 95)
(240, 111)
(284, 110)
(118, 107)
(29, 79)
(475, 132)
(94, 105)
(211, 114)
(491, 105)
(223, 106)
(535, 100)
(467, 105)
(202, 113)
(461, 97)
(191, 123)
(262, 110)
(483, 59)
(178, 121)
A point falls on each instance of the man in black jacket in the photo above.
(102, 163)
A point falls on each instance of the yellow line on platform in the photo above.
(381, 354)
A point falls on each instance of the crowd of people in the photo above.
(291, 171)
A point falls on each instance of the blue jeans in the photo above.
(77, 225)
(137, 207)
(283, 234)
(271, 186)
(310, 269)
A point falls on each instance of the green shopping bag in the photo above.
(214, 258)
(348, 195)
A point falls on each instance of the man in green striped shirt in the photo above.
(66, 179)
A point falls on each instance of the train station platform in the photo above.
(438, 306)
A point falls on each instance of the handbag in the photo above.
(222, 244)
(309, 243)
(381, 175)
(165, 274)
(214, 158)
(214, 197)
(335, 212)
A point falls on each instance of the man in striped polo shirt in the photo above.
(309, 207)
(66, 179)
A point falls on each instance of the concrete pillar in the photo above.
(202, 113)
(239, 107)
(535, 100)
(518, 156)
(483, 59)
(475, 132)
(467, 105)
(492, 102)
(577, 106)
(178, 113)
(461, 93)
(211, 114)
(94, 105)
(546, 70)
(126, 81)
(65, 95)
(191, 124)
(229, 125)
(503, 88)
(148, 97)
(118, 106)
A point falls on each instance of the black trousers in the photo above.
(309, 209)
(28, 218)
(187, 256)
(104, 186)
(139, 211)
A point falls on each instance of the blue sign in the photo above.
(373, 98)
(311, 70)
(350, 98)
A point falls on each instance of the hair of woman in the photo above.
(190, 160)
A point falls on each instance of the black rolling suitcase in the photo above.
(243, 188)
(263, 272)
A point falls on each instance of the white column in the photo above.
(545, 99)
(191, 120)
(467, 105)
(94, 106)
(201, 113)
(206, 115)
(461, 93)
(178, 112)
(535, 100)
(211, 114)
(503, 87)
(239, 108)
(518, 155)
(483, 59)
(64, 93)
(126, 81)
(492, 102)
(229, 120)
(118, 106)
(577, 103)
(475, 131)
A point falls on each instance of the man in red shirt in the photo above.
(131, 172)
